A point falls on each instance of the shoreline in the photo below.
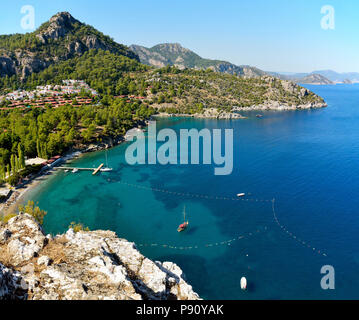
(235, 114)
(276, 106)
(11, 204)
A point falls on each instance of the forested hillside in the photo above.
(129, 92)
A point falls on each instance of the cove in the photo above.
(306, 160)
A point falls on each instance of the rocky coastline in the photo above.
(83, 265)
(277, 106)
(207, 115)
(236, 113)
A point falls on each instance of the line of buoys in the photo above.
(222, 198)
(191, 195)
(294, 237)
(208, 245)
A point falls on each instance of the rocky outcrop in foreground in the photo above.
(85, 265)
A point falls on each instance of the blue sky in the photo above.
(277, 35)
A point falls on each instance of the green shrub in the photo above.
(7, 217)
(33, 211)
(78, 227)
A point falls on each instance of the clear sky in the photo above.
(273, 35)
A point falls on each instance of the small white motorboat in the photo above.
(240, 195)
(75, 170)
(244, 283)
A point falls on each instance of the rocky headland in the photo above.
(237, 112)
(83, 265)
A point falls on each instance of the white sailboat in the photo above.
(185, 224)
(107, 168)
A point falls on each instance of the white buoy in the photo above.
(244, 283)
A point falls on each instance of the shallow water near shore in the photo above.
(306, 160)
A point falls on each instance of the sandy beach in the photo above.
(12, 203)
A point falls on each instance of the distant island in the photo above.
(320, 77)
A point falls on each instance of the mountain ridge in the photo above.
(173, 54)
(64, 48)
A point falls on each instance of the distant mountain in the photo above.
(61, 38)
(339, 77)
(174, 54)
(314, 79)
(307, 78)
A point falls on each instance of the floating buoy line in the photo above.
(293, 236)
(209, 245)
(222, 198)
(191, 195)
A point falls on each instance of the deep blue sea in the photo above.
(306, 160)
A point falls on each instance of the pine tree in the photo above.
(43, 151)
(12, 163)
(21, 157)
(2, 173)
(17, 164)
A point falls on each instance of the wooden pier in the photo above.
(95, 170)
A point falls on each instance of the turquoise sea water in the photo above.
(307, 160)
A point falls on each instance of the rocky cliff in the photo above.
(85, 265)
(61, 38)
